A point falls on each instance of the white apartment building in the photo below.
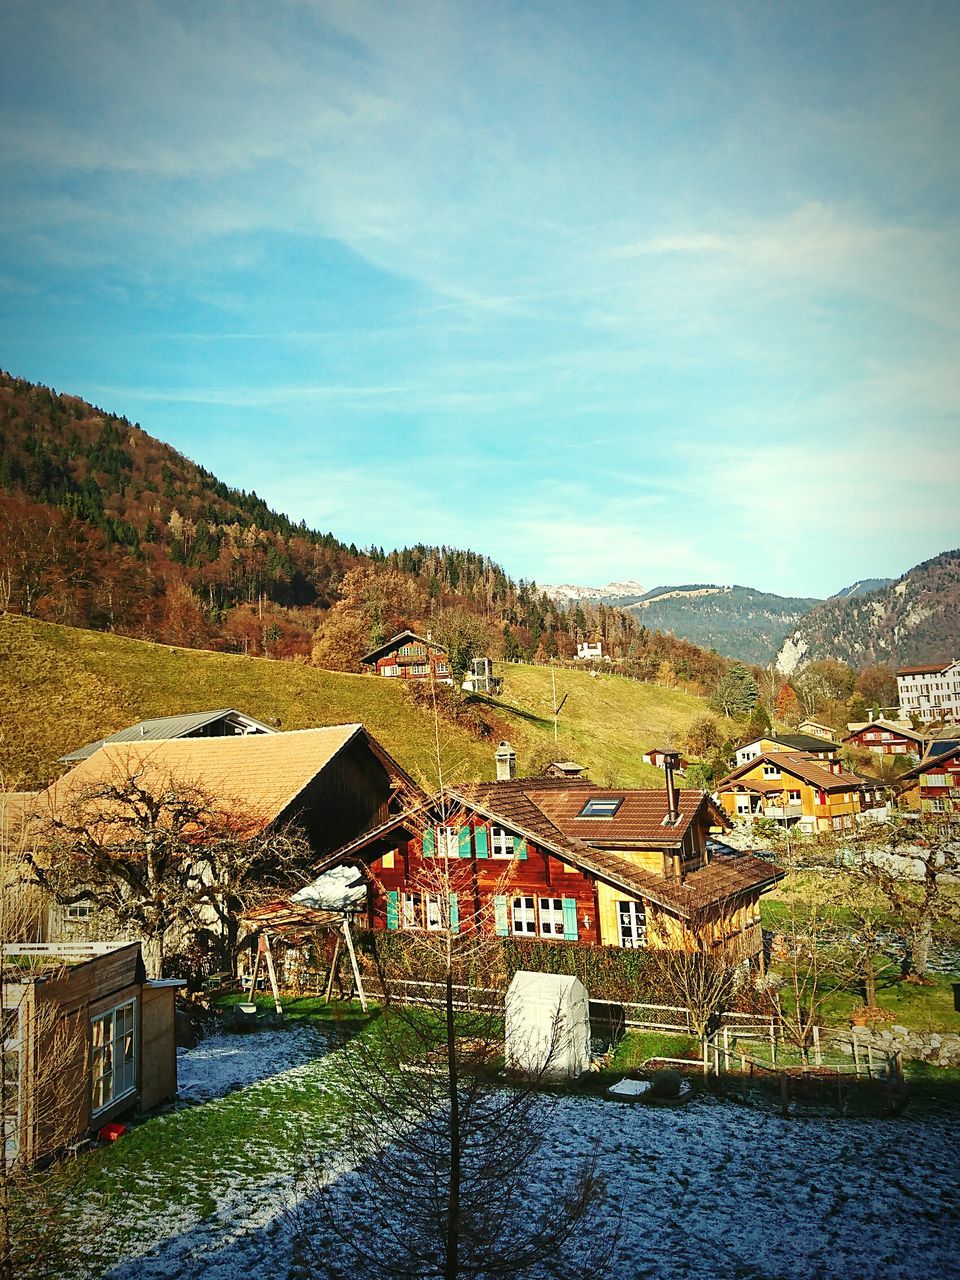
(930, 692)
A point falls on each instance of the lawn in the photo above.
(199, 1192)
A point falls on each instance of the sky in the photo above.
(662, 291)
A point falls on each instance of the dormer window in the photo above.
(595, 808)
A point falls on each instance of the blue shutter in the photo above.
(454, 914)
(429, 842)
(519, 847)
(570, 919)
(463, 842)
(393, 909)
(500, 916)
(480, 840)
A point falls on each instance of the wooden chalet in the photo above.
(932, 787)
(886, 738)
(409, 656)
(564, 860)
(87, 1038)
(795, 789)
(330, 783)
(807, 744)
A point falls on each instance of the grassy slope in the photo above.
(61, 687)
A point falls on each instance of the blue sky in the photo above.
(655, 290)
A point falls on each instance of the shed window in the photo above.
(113, 1064)
(601, 808)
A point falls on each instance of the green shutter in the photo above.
(393, 909)
(570, 919)
(454, 914)
(429, 842)
(926, 806)
(463, 842)
(480, 840)
(500, 916)
(519, 847)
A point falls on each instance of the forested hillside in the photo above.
(103, 526)
(914, 619)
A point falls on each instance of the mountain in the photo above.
(862, 588)
(615, 593)
(911, 620)
(739, 622)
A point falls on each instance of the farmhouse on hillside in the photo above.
(408, 656)
(561, 859)
(86, 1039)
(887, 738)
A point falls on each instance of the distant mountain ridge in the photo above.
(862, 588)
(914, 619)
(615, 593)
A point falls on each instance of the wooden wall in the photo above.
(158, 1050)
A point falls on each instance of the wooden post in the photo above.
(726, 1048)
(856, 1051)
(817, 1055)
(254, 976)
(869, 1059)
(353, 961)
(333, 970)
(773, 1042)
(706, 1058)
(271, 971)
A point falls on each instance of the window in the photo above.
(937, 805)
(443, 669)
(633, 924)
(392, 670)
(793, 797)
(743, 804)
(433, 913)
(412, 911)
(601, 808)
(524, 916)
(113, 1064)
(448, 842)
(551, 917)
(501, 841)
(420, 669)
(77, 911)
(771, 771)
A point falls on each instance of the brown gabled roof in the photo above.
(927, 670)
(263, 773)
(394, 643)
(887, 726)
(797, 765)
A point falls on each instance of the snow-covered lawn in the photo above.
(713, 1189)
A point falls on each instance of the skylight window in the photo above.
(601, 808)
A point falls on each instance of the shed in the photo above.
(547, 1025)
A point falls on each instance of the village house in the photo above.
(590, 651)
(87, 1038)
(815, 729)
(330, 784)
(931, 691)
(224, 723)
(794, 789)
(887, 738)
(807, 744)
(932, 787)
(408, 656)
(563, 860)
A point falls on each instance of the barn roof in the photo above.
(263, 773)
(163, 727)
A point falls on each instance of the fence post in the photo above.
(870, 1059)
(856, 1051)
(726, 1048)
(706, 1058)
(773, 1041)
(817, 1055)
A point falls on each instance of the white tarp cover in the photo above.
(548, 1024)
(341, 888)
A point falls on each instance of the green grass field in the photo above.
(63, 687)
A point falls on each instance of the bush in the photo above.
(665, 1084)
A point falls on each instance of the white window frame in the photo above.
(551, 917)
(794, 797)
(448, 842)
(743, 806)
(411, 911)
(634, 936)
(432, 912)
(771, 771)
(77, 911)
(501, 842)
(523, 918)
(391, 670)
(119, 1083)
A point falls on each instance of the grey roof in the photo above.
(805, 742)
(162, 728)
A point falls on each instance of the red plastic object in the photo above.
(111, 1132)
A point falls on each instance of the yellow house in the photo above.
(795, 789)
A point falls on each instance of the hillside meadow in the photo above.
(61, 687)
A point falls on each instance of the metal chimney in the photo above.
(506, 759)
(671, 760)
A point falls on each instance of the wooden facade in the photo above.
(510, 859)
(794, 789)
(409, 656)
(933, 787)
(90, 1040)
(886, 739)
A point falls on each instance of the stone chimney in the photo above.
(671, 760)
(506, 759)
